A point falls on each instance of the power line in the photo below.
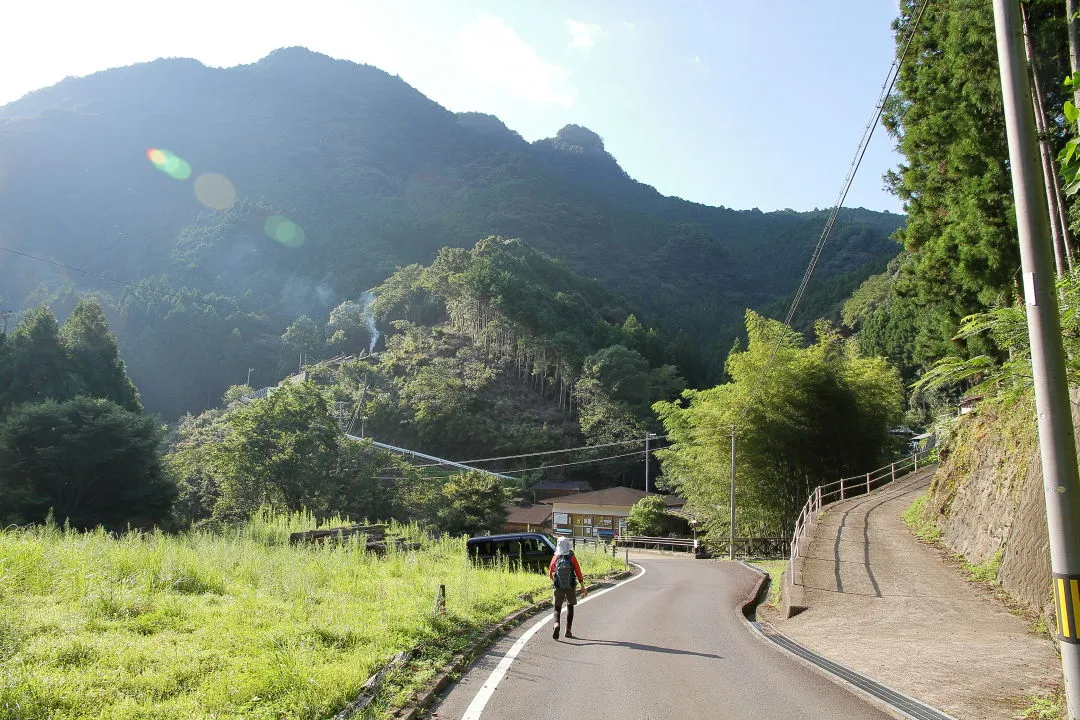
(549, 452)
(579, 462)
(864, 142)
(520, 470)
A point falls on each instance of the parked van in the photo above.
(528, 549)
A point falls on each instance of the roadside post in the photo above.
(1057, 447)
(440, 601)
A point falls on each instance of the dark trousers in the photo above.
(570, 598)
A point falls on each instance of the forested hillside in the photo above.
(237, 201)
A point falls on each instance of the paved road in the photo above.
(667, 644)
(867, 581)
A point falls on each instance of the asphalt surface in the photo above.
(668, 643)
(868, 583)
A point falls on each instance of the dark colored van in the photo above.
(531, 550)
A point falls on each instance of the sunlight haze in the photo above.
(735, 104)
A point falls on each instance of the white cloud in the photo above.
(491, 52)
(584, 35)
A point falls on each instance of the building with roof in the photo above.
(548, 489)
(601, 513)
(528, 518)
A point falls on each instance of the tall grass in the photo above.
(237, 624)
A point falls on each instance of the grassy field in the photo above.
(236, 625)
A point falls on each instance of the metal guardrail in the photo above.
(744, 546)
(842, 489)
(657, 543)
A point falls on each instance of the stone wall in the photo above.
(988, 496)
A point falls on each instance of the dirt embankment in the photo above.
(987, 499)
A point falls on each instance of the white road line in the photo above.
(484, 693)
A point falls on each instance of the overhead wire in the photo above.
(887, 86)
(860, 153)
(521, 470)
(864, 142)
(548, 452)
(578, 462)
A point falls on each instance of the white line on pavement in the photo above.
(484, 693)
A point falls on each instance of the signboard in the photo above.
(562, 519)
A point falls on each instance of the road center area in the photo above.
(669, 642)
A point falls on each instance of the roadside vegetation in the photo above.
(236, 623)
(775, 568)
(919, 522)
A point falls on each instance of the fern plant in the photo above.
(1007, 327)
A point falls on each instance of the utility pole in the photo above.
(1057, 448)
(5, 314)
(248, 381)
(647, 436)
(731, 499)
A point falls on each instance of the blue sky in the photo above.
(734, 103)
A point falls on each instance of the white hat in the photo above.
(563, 546)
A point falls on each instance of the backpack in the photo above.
(564, 572)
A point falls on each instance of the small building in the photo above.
(548, 489)
(601, 513)
(967, 404)
(922, 442)
(528, 518)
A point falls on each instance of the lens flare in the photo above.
(169, 163)
(215, 191)
(284, 230)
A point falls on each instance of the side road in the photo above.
(889, 607)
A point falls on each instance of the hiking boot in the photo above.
(555, 632)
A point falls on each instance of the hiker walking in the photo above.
(562, 571)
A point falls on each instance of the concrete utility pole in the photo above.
(647, 436)
(248, 381)
(1061, 478)
(731, 499)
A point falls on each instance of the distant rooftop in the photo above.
(562, 485)
(529, 514)
(615, 496)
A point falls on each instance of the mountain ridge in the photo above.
(375, 176)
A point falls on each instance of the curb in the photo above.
(757, 595)
(921, 711)
(424, 697)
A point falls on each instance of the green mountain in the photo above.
(239, 199)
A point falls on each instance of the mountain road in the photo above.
(668, 642)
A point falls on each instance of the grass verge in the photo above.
(239, 624)
(775, 568)
(919, 521)
(1045, 707)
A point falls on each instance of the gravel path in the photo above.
(888, 606)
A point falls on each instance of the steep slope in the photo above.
(371, 175)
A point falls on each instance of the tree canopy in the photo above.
(73, 437)
(802, 416)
